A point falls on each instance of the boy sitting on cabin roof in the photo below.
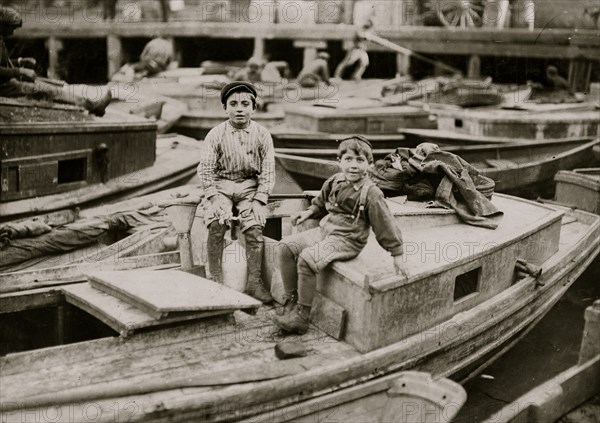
(238, 170)
(351, 205)
(22, 81)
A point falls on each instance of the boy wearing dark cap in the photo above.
(238, 170)
(351, 205)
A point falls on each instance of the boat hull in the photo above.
(517, 167)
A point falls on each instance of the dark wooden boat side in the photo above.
(579, 188)
(445, 137)
(171, 162)
(517, 165)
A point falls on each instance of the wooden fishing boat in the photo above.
(356, 115)
(137, 99)
(60, 157)
(513, 167)
(525, 123)
(197, 123)
(414, 136)
(579, 188)
(450, 314)
(565, 394)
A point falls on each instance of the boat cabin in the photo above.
(450, 268)
(537, 122)
(68, 150)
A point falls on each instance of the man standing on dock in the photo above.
(22, 81)
(356, 60)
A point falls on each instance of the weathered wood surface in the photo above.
(365, 120)
(121, 316)
(449, 137)
(443, 349)
(176, 160)
(167, 291)
(515, 42)
(579, 188)
(539, 123)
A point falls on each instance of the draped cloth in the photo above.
(427, 173)
(40, 240)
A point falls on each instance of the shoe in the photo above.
(258, 291)
(288, 305)
(98, 108)
(294, 322)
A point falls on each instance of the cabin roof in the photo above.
(431, 247)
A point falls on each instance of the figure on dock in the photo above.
(20, 80)
(315, 72)
(276, 72)
(238, 170)
(356, 60)
(555, 89)
(554, 80)
(251, 72)
(156, 57)
(351, 205)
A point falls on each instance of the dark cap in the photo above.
(237, 86)
(357, 137)
(10, 17)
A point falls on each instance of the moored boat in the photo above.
(564, 396)
(527, 123)
(56, 157)
(579, 188)
(512, 166)
(137, 99)
(459, 304)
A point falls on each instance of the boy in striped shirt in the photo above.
(238, 170)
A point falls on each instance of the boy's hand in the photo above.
(26, 74)
(298, 218)
(398, 261)
(260, 212)
(220, 209)
(27, 62)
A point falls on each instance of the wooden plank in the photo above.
(119, 315)
(126, 387)
(29, 279)
(27, 300)
(171, 290)
(328, 316)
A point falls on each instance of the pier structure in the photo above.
(285, 22)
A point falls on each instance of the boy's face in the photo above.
(354, 166)
(239, 107)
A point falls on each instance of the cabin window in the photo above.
(72, 170)
(466, 283)
(458, 123)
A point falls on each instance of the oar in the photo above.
(403, 50)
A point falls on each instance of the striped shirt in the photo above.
(237, 154)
